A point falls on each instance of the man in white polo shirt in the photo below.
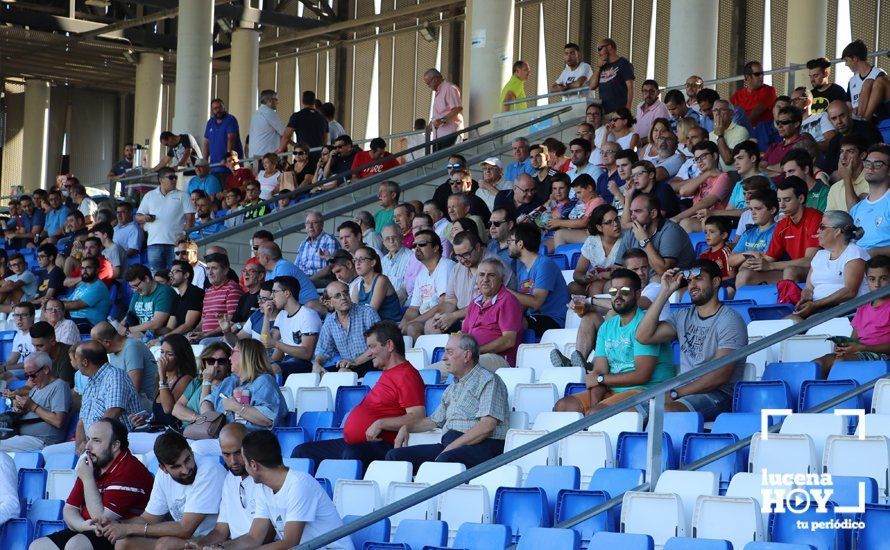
(166, 214)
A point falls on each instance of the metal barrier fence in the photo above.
(655, 398)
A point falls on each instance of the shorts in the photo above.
(611, 397)
(708, 404)
(61, 538)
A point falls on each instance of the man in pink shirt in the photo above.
(649, 109)
(221, 296)
(709, 190)
(447, 107)
(494, 318)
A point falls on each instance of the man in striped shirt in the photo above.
(220, 297)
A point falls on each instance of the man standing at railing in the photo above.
(756, 98)
(515, 87)
(221, 135)
(576, 72)
(266, 127)
(447, 108)
(710, 330)
(308, 124)
(614, 78)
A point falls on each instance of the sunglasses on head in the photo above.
(690, 273)
(625, 291)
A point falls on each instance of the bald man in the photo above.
(343, 332)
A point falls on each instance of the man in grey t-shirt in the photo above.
(45, 405)
(131, 356)
(665, 243)
(707, 331)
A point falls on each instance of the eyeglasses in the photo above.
(625, 291)
(702, 156)
(180, 252)
(263, 299)
(360, 259)
(300, 153)
(601, 48)
(876, 164)
(610, 222)
(32, 375)
(22, 315)
(274, 290)
(784, 122)
(420, 245)
(170, 177)
(579, 134)
(222, 361)
(464, 256)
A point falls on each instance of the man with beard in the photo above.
(221, 135)
(708, 331)
(111, 485)
(238, 492)
(187, 489)
(622, 366)
(90, 301)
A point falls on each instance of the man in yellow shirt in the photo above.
(515, 87)
(851, 186)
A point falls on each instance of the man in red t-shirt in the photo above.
(109, 473)
(794, 242)
(91, 248)
(756, 98)
(363, 158)
(396, 400)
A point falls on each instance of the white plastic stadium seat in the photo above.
(572, 319)
(783, 454)
(385, 472)
(562, 337)
(541, 457)
(552, 421)
(429, 342)
(399, 490)
(659, 515)
(875, 424)
(417, 357)
(880, 402)
(518, 420)
(509, 475)
(334, 380)
(561, 377)
(804, 348)
(851, 456)
(628, 421)
(534, 356)
(289, 398)
(434, 472)
(688, 486)
(817, 426)
(302, 380)
(514, 376)
(534, 398)
(839, 326)
(313, 399)
(589, 451)
(59, 483)
(757, 330)
(464, 504)
(749, 485)
(568, 275)
(357, 497)
(736, 519)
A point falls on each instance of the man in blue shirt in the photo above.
(91, 301)
(55, 218)
(269, 256)
(31, 224)
(872, 213)
(541, 289)
(522, 164)
(221, 136)
(203, 180)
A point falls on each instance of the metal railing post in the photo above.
(655, 444)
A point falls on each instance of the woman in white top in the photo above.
(598, 252)
(837, 272)
(621, 130)
(54, 314)
(269, 176)
(660, 127)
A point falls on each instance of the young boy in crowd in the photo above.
(717, 230)
(763, 206)
(870, 340)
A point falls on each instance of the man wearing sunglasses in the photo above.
(614, 77)
(455, 166)
(622, 365)
(44, 407)
(756, 98)
(430, 285)
(166, 213)
(788, 125)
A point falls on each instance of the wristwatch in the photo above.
(600, 378)
(644, 242)
(674, 394)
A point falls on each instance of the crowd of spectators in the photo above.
(784, 190)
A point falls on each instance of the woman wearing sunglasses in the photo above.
(215, 367)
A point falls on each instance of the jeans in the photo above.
(338, 448)
(469, 455)
(160, 256)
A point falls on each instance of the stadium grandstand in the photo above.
(445, 274)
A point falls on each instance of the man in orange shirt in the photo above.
(377, 152)
(756, 98)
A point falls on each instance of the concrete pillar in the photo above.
(488, 57)
(34, 134)
(147, 109)
(243, 85)
(194, 50)
(692, 44)
(807, 20)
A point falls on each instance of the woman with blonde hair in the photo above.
(250, 395)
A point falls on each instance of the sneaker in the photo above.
(577, 360)
(557, 359)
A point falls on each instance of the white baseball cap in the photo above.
(494, 161)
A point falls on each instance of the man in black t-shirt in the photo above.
(308, 124)
(824, 92)
(187, 310)
(52, 283)
(457, 164)
(614, 78)
(254, 274)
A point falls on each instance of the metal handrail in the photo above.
(397, 135)
(305, 190)
(656, 392)
(316, 201)
(573, 91)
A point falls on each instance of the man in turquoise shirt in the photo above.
(91, 301)
(622, 366)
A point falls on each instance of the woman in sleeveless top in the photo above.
(621, 130)
(177, 376)
(215, 367)
(269, 176)
(375, 289)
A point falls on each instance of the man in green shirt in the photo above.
(515, 87)
(388, 196)
(151, 304)
(622, 366)
(798, 162)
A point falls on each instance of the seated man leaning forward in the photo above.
(622, 365)
(473, 411)
(710, 330)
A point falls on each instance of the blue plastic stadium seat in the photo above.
(776, 546)
(553, 479)
(330, 470)
(615, 482)
(417, 533)
(631, 451)
(6, 337)
(752, 396)
(686, 543)
(44, 528)
(877, 524)
(371, 377)
(45, 510)
(574, 387)
(861, 372)
(571, 503)
(624, 541)
(434, 397)
(793, 374)
(520, 508)
(430, 377)
(300, 464)
(540, 537)
(678, 424)
(376, 531)
(784, 528)
(763, 295)
(568, 249)
(289, 438)
(884, 128)
(15, 534)
(72, 426)
(32, 486)
(60, 461)
(560, 260)
(32, 459)
(770, 312)
(699, 445)
(816, 392)
(700, 247)
(324, 434)
(346, 399)
(13, 385)
(438, 353)
(310, 421)
(482, 536)
(529, 336)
